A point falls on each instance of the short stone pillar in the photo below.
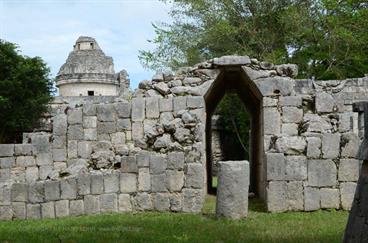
(232, 189)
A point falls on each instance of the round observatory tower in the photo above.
(87, 71)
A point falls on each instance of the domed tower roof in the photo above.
(87, 63)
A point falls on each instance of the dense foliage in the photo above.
(25, 89)
(326, 38)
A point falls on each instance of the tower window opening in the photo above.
(92, 46)
(91, 93)
(78, 46)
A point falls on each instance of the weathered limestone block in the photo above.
(123, 125)
(161, 202)
(108, 203)
(195, 102)
(275, 86)
(289, 129)
(349, 170)
(19, 192)
(59, 125)
(44, 159)
(45, 171)
(291, 145)
(330, 198)
(347, 192)
(314, 147)
(4, 175)
(291, 101)
(346, 122)
(192, 200)
(325, 103)
(179, 103)
(105, 128)
(194, 175)
(91, 204)
(105, 113)
(158, 163)
(312, 199)
(137, 130)
(111, 183)
(75, 132)
(321, 173)
(272, 121)
(296, 168)
(61, 208)
(277, 196)
(129, 164)
(125, 204)
(25, 161)
(143, 201)
(255, 74)
(48, 210)
(276, 166)
(57, 142)
(313, 123)
(5, 197)
(123, 109)
(97, 184)
(144, 180)
(270, 102)
(76, 207)
(6, 213)
(138, 109)
(33, 211)
(19, 210)
(232, 189)
(68, 189)
(23, 149)
(175, 180)
(290, 70)
(175, 160)
(36, 192)
(84, 149)
(41, 143)
(350, 145)
(32, 174)
(7, 162)
(75, 116)
(295, 195)
(292, 114)
(162, 88)
(89, 121)
(128, 182)
(231, 61)
(143, 158)
(59, 154)
(330, 145)
(52, 190)
(89, 109)
(152, 107)
(166, 105)
(158, 182)
(176, 202)
(72, 149)
(84, 185)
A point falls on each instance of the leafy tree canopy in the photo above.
(326, 38)
(25, 90)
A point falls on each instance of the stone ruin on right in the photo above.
(357, 227)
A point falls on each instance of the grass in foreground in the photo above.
(320, 226)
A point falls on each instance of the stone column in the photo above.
(232, 189)
(357, 227)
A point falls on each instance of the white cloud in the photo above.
(49, 28)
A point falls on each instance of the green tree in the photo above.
(25, 90)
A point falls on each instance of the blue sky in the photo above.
(49, 28)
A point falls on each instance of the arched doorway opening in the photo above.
(233, 80)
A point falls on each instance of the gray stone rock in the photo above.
(129, 164)
(76, 207)
(36, 192)
(330, 198)
(89, 121)
(166, 104)
(275, 86)
(75, 132)
(97, 184)
(32, 174)
(158, 163)
(128, 183)
(74, 116)
(192, 200)
(295, 195)
(162, 88)
(294, 145)
(255, 74)
(145, 84)
(125, 204)
(292, 114)
(350, 145)
(194, 175)
(25, 161)
(266, 65)
(144, 180)
(161, 202)
(180, 103)
(277, 196)
(289, 129)
(61, 208)
(108, 203)
(111, 182)
(7, 162)
(175, 180)
(143, 201)
(311, 199)
(123, 109)
(276, 166)
(59, 154)
(23, 149)
(68, 189)
(18, 192)
(176, 202)
(152, 107)
(291, 101)
(321, 173)
(190, 81)
(33, 211)
(349, 170)
(232, 189)
(158, 182)
(347, 192)
(59, 125)
(330, 145)
(231, 61)
(163, 141)
(314, 147)
(325, 103)
(313, 123)
(19, 210)
(105, 112)
(52, 190)
(175, 160)
(89, 109)
(138, 109)
(124, 124)
(296, 168)
(290, 70)
(272, 121)
(91, 204)
(84, 185)
(143, 159)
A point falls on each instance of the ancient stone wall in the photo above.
(146, 150)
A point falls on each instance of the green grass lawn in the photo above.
(320, 226)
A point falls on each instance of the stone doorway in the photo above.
(234, 81)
